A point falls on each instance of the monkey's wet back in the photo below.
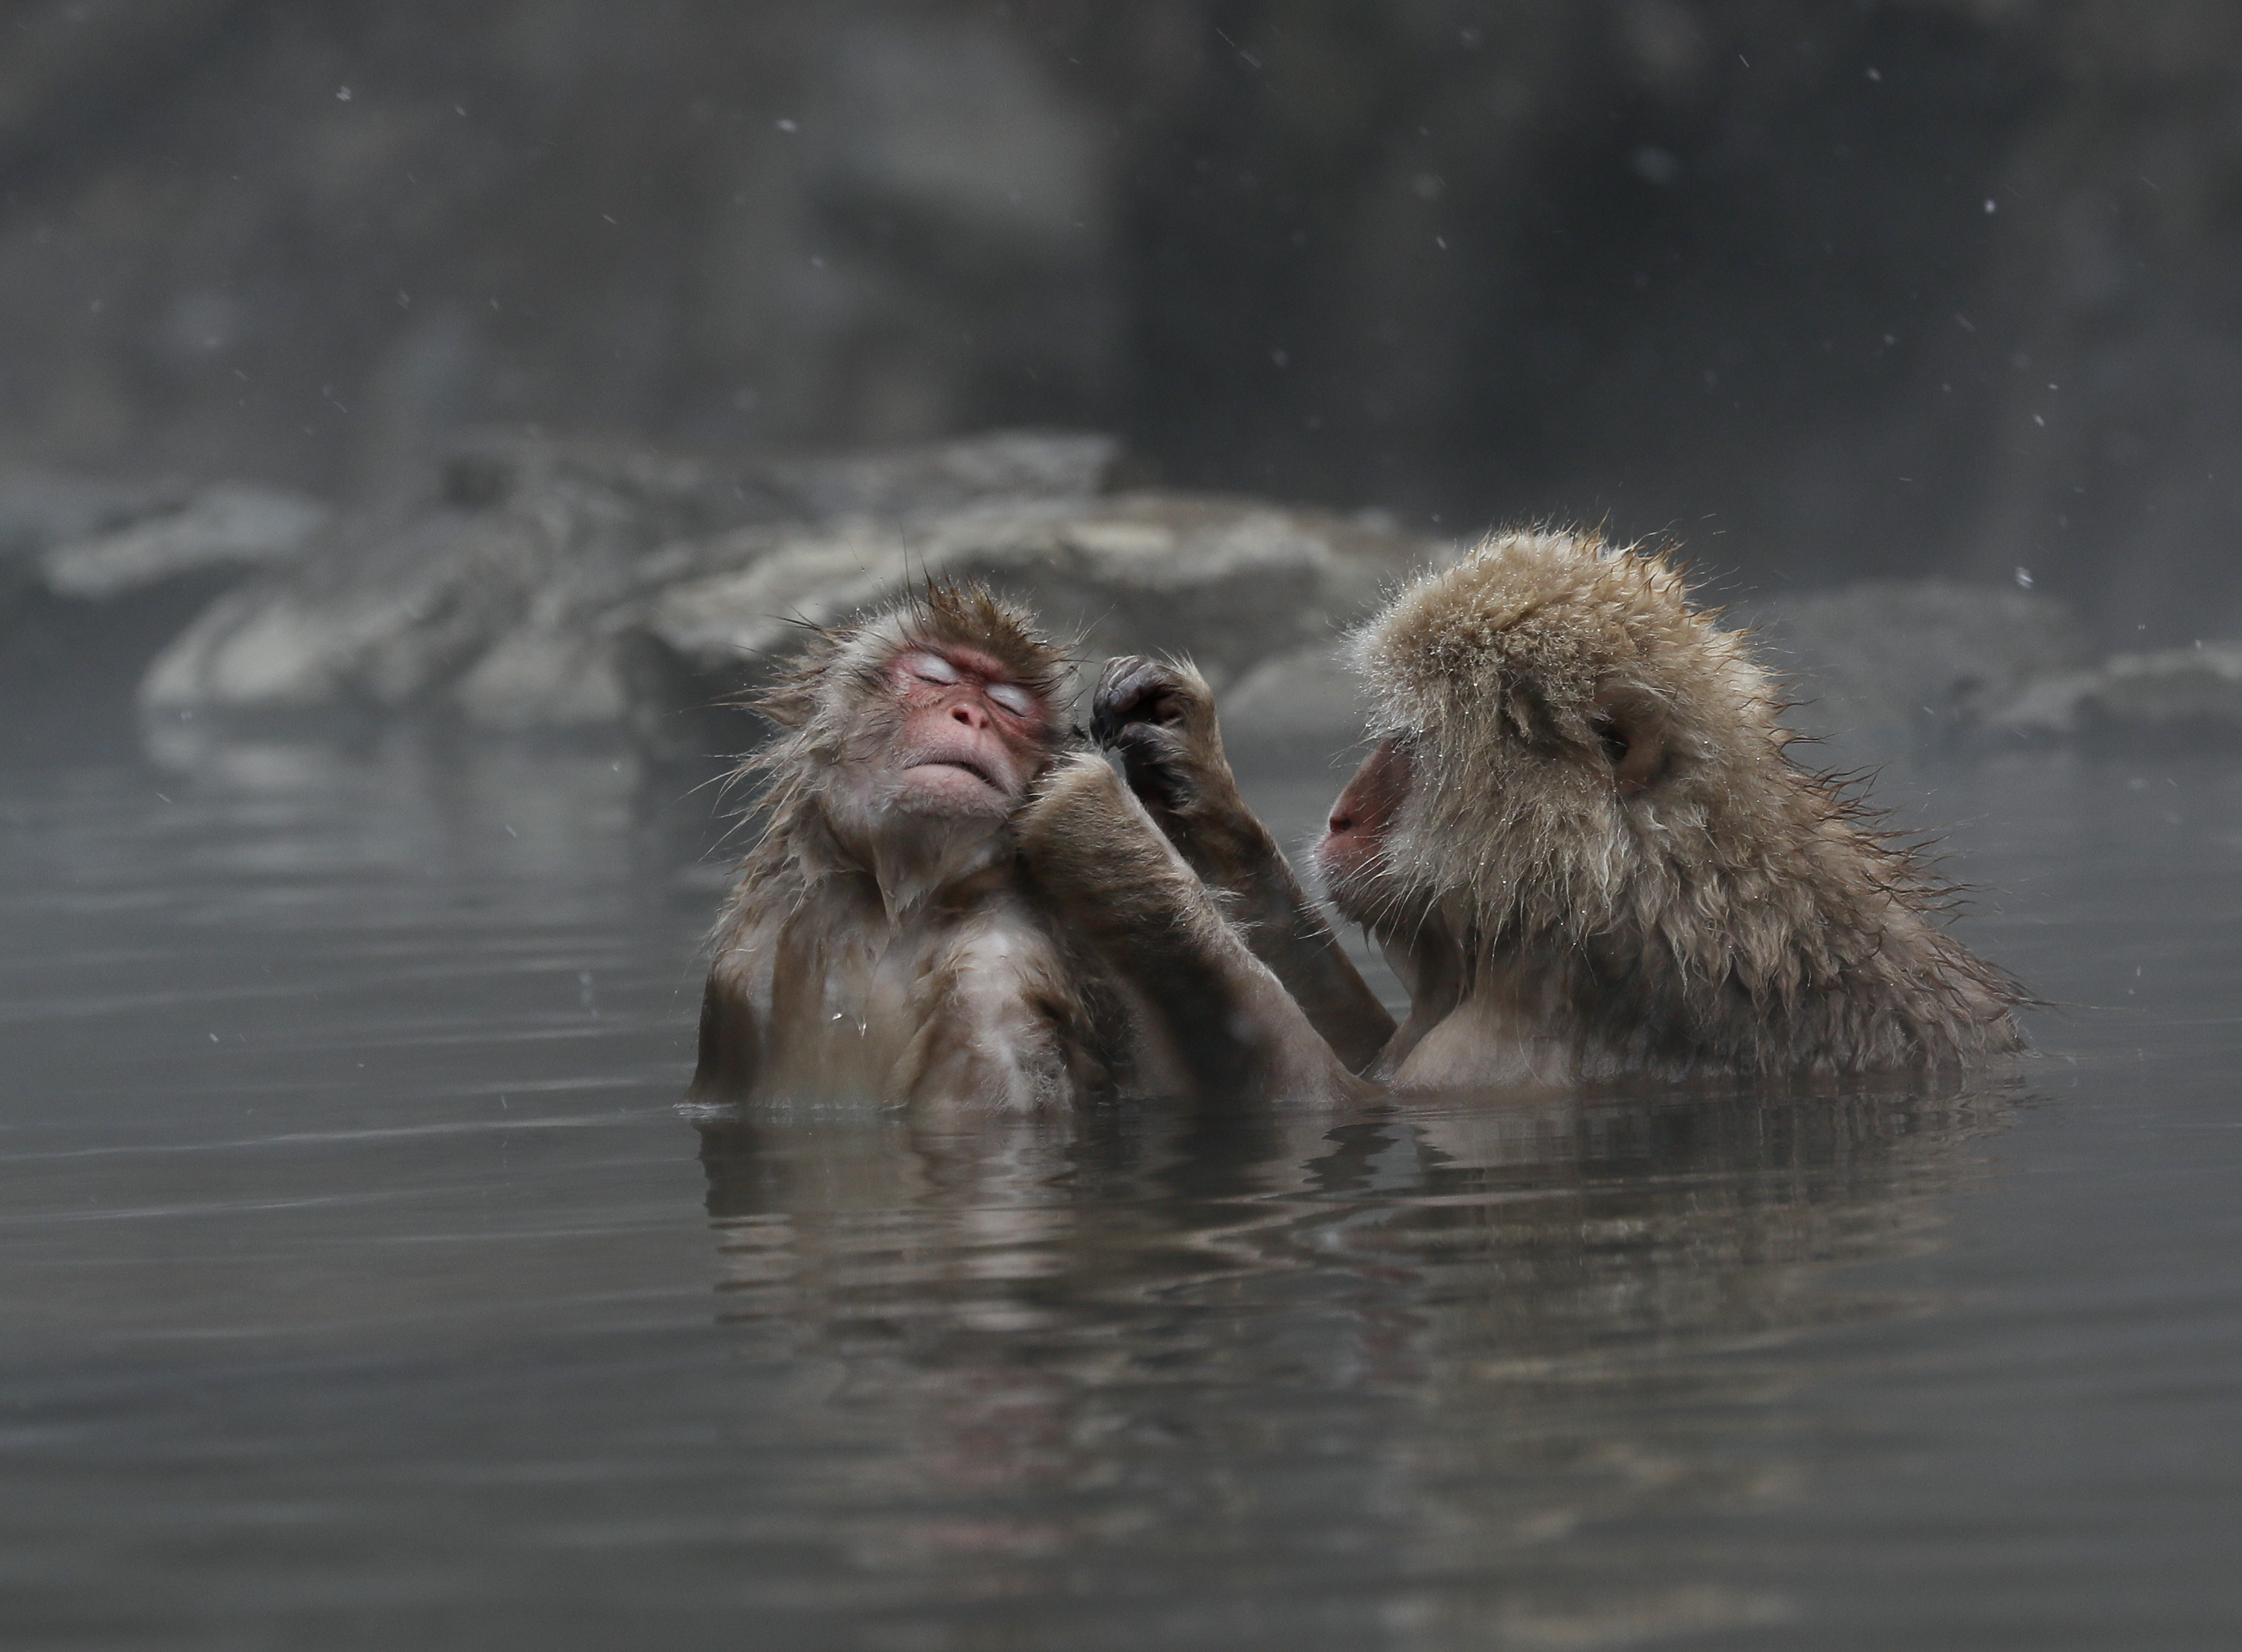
(363, 1283)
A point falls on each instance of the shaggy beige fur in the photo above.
(1606, 838)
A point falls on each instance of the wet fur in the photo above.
(1227, 1025)
(1738, 913)
(910, 966)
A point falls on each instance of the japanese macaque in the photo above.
(1579, 840)
(882, 942)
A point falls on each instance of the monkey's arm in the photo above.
(1159, 716)
(731, 1031)
(1119, 884)
(730, 1049)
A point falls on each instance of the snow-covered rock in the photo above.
(230, 527)
(499, 596)
(1884, 665)
(1231, 582)
(2173, 695)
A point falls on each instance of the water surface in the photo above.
(366, 1282)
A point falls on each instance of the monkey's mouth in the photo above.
(959, 765)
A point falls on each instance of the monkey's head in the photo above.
(1563, 746)
(915, 732)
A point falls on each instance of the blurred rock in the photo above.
(1231, 582)
(943, 476)
(1886, 665)
(230, 527)
(97, 575)
(2172, 696)
(1304, 703)
(500, 595)
(484, 594)
(40, 510)
(542, 585)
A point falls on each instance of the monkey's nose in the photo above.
(1340, 823)
(971, 716)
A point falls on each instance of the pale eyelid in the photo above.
(1017, 700)
(932, 668)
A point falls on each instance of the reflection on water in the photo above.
(362, 1287)
(1429, 1353)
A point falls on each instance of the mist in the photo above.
(1825, 292)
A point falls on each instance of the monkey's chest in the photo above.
(840, 1018)
(874, 1015)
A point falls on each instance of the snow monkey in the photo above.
(1577, 837)
(882, 942)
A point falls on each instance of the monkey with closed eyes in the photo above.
(883, 941)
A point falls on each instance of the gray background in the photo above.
(1831, 291)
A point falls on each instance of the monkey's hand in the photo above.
(1158, 716)
(1089, 846)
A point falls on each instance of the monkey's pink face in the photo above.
(972, 734)
(1360, 821)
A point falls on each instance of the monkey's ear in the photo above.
(1632, 725)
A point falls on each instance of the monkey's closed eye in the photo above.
(932, 668)
(1017, 700)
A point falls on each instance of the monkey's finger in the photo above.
(1120, 690)
(1118, 670)
(1135, 690)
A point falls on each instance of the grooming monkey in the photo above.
(1577, 837)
